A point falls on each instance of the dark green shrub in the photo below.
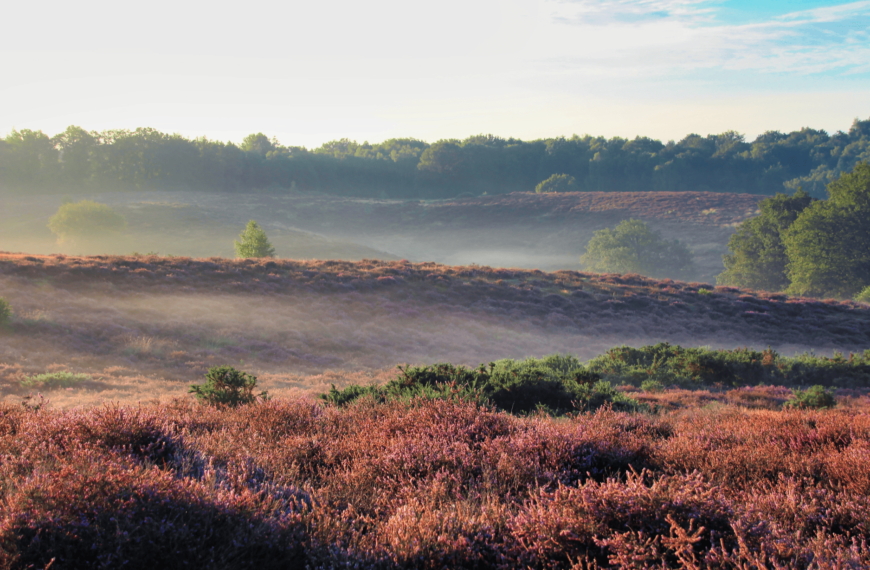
(555, 384)
(226, 386)
(5, 311)
(813, 398)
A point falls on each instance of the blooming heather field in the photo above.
(140, 328)
(705, 478)
(432, 484)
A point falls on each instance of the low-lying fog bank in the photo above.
(146, 327)
(547, 232)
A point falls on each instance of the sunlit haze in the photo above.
(308, 73)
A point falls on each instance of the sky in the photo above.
(314, 71)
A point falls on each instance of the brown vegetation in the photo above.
(144, 327)
(432, 484)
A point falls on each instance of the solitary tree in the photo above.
(253, 242)
(557, 183)
(632, 247)
(85, 220)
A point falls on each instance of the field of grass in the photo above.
(144, 327)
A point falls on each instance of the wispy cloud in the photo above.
(665, 37)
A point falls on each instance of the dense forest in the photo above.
(77, 160)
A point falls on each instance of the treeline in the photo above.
(77, 160)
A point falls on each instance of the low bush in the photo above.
(226, 386)
(652, 386)
(814, 398)
(555, 384)
(64, 379)
(5, 311)
(696, 367)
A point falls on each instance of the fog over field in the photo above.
(145, 327)
(546, 232)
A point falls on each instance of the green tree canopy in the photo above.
(253, 242)
(757, 257)
(632, 247)
(828, 246)
(557, 183)
(85, 220)
(258, 143)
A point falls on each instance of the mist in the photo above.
(518, 230)
(145, 327)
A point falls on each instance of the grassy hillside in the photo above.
(143, 327)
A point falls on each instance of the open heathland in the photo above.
(533, 231)
(290, 483)
(143, 327)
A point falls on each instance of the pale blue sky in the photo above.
(311, 72)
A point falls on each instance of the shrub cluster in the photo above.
(226, 386)
(814, 397)
(555, 384)
(670, 364)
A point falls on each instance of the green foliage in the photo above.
(85, 220)
(652, 386)
(632, 247)
(695, 367)
(226, 386)
(807, 247)
(828, 246)
(49, 380)
(557, 183)
(556, 384)
(258, 143)
(5, 311)
(77, 160)
(757, 258)
(814, 398)
(864, 295)
(253, 242)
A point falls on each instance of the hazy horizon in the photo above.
(311, 73)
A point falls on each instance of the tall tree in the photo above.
(828, 246)
(757, 257)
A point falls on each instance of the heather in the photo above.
(145, 327)
(433, 483)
